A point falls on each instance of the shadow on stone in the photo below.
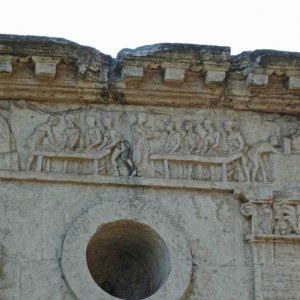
(128, 260)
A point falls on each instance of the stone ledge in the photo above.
(294, 82)
(174, 75)
(45, 67)
(31, 176)
(6, 64)
(257, 79)
(271, 238)
(132, 73)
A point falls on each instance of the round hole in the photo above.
(128, 260)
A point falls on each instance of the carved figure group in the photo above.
(192, 148)
(278, 219)
(141, 136)
(94, 140)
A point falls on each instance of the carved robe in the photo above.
(141, 148)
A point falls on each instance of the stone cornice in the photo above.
(53, 69)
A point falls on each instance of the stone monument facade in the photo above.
(171, 172)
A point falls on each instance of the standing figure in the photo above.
(173, 139)
(255, 156)
(93, 135)
(266, 219)
(37, 139)
(141, 149)
(119, 147)
(211, 144)
(72, 137)
(190, 144)
(234, 139)
(191, 140)
(236, 144)
(211, 139)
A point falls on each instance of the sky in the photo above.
(112, 25)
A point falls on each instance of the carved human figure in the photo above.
(5, 136)
(141, 147)
(191, 139)
(255, 156)
(234, 139)
(72, 139)
(38, 138)
(173, 139)
(287, 219)
(93, 134)
(119, 147)
(211, 139)
(266, 219)
(295, 139)
(236, 144)
(211, 145)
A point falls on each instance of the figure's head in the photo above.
(69, 118)
(170, 126)
(142, 118)
(207, 124)
(273, 140)
(107, 122)
(188, 125)
(90, 121)
(228, 125)
(53, 120)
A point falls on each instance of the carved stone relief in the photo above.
(278, 219)
(204, 145)
(8, 153)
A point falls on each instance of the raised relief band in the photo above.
(200, 148)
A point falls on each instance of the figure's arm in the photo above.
(196, 143)
(275, 151)
(51, 137)
(63, 142)
(99, 139)
(115, 138)
(104, 143)
(217, 141)
(81, 141)
(152, 135)
(205, 147)
(267, 148)
(178, 144)
(242, 143)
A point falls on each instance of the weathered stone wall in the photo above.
(170, 172)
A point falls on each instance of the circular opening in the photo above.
(128, 260)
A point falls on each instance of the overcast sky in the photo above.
(110, 25)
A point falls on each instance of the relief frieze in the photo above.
(208, 146)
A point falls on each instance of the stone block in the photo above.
(257, 79)
(44, 69)
(42, 280)
(294, 82)
(132, 73)
(9, 280)
(20, 222)
(175, 75)
(5, 64)
(214, 77)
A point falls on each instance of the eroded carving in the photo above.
(9, 158)
(153, 145)
(211, 139)
(287, 219)
(273, 219)
(119, 149)
(72, 139)
(141, 136)
(255, 156)
(43, 139)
